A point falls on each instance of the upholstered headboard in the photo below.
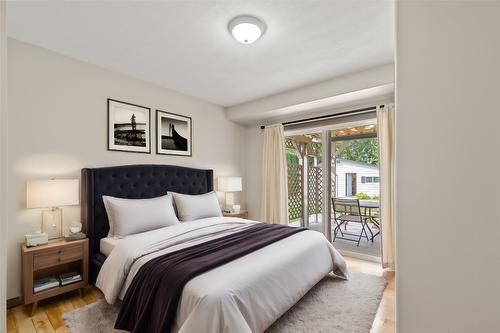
(133, 182)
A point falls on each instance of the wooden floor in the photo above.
(48, 316)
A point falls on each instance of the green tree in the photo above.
(360, 150)
(291, 156)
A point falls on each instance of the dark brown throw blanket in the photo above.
(150, 304)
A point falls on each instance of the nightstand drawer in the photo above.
(57, 256)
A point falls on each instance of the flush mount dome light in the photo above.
(246, 29)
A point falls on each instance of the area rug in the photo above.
(333, 306)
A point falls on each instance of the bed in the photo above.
(246, 294)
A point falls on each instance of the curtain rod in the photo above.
(329, 116)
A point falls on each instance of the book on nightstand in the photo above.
(45, 284)
(70, 278)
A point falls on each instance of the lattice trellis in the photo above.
(315, 190)
(289, 143)
(294, 191)
(314, 149)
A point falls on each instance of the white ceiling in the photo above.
(186, 46)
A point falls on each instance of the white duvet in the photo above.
(245, 295)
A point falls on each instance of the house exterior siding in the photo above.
(361, 170)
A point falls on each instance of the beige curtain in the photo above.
(274, 177)
(385, 121)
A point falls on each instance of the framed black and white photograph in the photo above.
(173, 134)
(129, 127)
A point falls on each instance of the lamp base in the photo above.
(232, 209)
(229, 202)
(52, 222)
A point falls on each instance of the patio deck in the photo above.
(366, 249)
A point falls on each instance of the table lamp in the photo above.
(52, 194)
(229, 185)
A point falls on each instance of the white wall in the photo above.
(3, 166)
(58, 124)
(253, 170)
(448, 217)
(371, 85)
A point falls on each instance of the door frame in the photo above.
(352, 184)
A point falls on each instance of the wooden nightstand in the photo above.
(243, 214)
(53, 259)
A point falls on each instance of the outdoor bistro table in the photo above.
(368, 206)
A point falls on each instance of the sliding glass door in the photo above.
(334, 161)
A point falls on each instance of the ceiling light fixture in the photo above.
(246, 29)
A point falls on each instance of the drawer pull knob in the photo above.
(58, 259)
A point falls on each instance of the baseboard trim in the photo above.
(14, 302)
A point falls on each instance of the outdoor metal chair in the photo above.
(346, 211)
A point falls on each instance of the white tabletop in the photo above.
(369, 203)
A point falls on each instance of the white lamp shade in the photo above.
(229, 184)
(52, 193)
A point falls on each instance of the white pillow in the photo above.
(194, 207)
(132, 216)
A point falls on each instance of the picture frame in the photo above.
(129, 127)
(173, 134)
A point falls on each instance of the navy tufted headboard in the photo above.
(133, 182)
